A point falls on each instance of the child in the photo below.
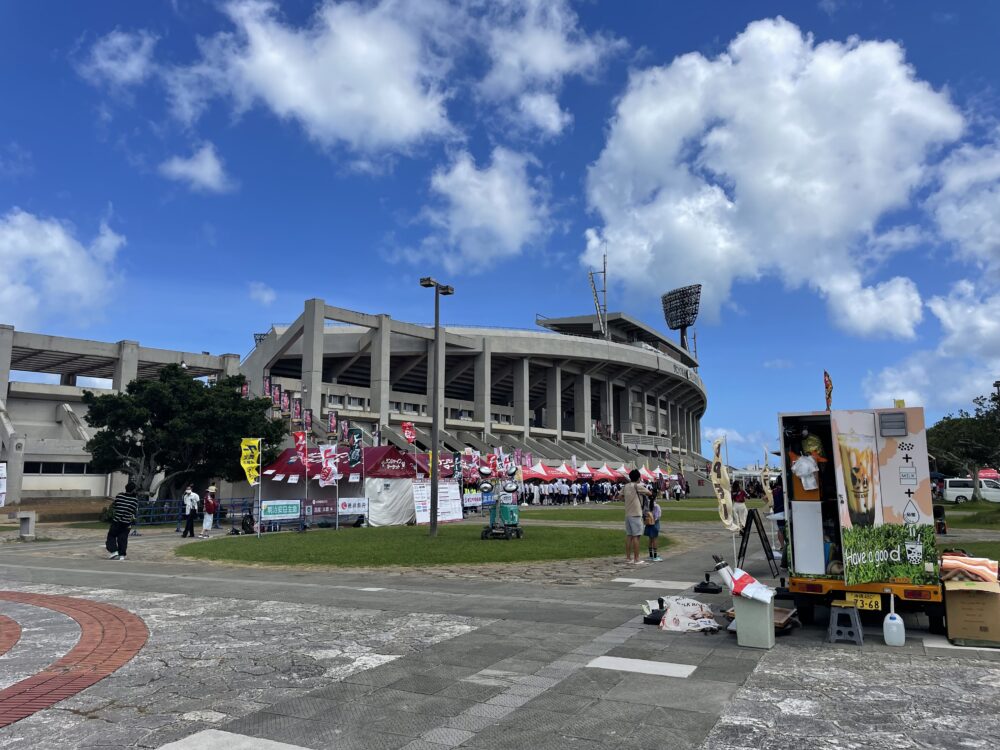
(652, 530)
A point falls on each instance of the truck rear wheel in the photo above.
(936, 624)
(806, 610)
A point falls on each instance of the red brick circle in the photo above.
(109, 638)
(10, 634)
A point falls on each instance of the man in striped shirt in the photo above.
(124, 510)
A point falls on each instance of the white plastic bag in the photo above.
(806, 469)
(682, 615)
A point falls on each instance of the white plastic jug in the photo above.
(893, 630)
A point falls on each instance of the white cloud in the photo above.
(543, 112)
(363, 75)
(48, 272)
(533, 45)
(489, 213)
(780, 156)
(778, 364)
(967, 205)
(711, 434)
(120, 59)
(963, 365)
(202, 171)
(262, 293)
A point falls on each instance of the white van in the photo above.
(960, 490)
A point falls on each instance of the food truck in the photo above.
(859, 511)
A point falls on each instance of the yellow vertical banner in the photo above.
(250, 459)
(723, 490)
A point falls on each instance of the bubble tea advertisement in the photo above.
(886, 522)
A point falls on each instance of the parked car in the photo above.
(960, 490)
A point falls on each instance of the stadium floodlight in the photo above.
(680, 309)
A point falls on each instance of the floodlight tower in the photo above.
(680, 309)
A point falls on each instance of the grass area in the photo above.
(104, 525)
(615, 512)
(408, 545)
(980, 549)
(983, 519)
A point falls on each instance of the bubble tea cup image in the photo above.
(857, 459)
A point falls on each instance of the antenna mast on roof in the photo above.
(601, 295)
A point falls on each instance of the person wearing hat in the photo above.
(190, 500)
(209, 514)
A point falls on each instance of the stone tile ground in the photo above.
(210, 660)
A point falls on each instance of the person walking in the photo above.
(124, 511)
(632, 495)
(190, 511)
(739, 504)
(209, 514)
(651, 522)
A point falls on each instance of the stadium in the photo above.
(597, 388)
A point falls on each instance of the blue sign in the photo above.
(488, 499)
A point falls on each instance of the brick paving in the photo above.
(109, 638)
(10, 634)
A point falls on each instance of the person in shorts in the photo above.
(632, 493)
(651, 530)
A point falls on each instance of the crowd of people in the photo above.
(563, 492)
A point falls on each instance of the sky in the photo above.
(185, 173)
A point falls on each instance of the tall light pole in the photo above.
(439, 290)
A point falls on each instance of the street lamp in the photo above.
(439, 291)
(996, 384)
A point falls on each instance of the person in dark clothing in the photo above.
(124, 510)
(190, 511)
(778, 494)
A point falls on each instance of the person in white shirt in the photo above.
(190, 511)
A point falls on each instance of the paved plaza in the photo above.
(552, 655)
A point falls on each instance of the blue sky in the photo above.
(185, 173)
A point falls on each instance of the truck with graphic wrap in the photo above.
(859, 511)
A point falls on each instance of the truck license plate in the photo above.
(866, 601)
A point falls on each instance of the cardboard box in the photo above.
(973, 612)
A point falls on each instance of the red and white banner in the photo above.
(409, 432)
(331, 425)
(285, 401)
(301, 446)
(297, 409)
(328, 466)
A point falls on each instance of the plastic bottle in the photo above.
(893, 630)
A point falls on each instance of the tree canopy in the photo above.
(968, 441)
(178, 426)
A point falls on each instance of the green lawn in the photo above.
(980, 549)
(616, 512)
(408, 545)
(982, 519)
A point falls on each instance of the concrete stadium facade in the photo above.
(560, 391)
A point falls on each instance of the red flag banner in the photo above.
(276, 394)
(300, 445)
(307, 420)
(409, 432)
(331, 425)
(297, 409)
(285, 401)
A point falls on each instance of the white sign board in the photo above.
(349, 506)
(3, 483)
(449, 501)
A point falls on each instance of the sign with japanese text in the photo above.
(449, 501)
(354, 456)
(280, 510)
(249, 459)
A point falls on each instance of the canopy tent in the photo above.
(288, 465)
(623, 471)
(989, 474)
(584, 471)
(646, 476)
(538, 471)
(562, 472)
(389, 462)
(604, 473)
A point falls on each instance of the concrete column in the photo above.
(127, 365)
(581, 406)
(604, 396)
(431, 364)
(483, 386)
(381, 357)
(6, 350)
(230, 365)
(313, 321)
(645, 412)
(656, 415)
(14, 456)
(553, 400)
(624, 409)
(682, 421)
(521, 393)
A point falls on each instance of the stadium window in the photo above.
(74, 468)
(32, 467)
(51, 467)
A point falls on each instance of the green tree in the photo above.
(969, 441)
(178, 427)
